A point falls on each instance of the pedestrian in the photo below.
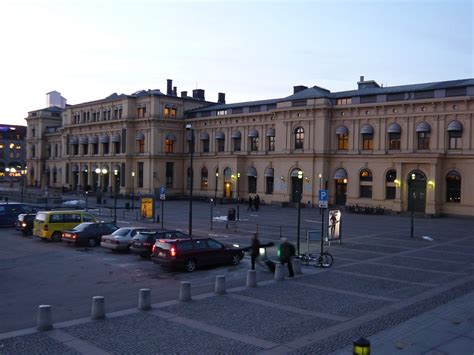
(254, 249)
(230, 217)
(287, 251)
(250, 207)
(256, 202)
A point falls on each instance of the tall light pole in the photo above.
(215, 191)
(412, 199)
(191, 151)
(300, 193)
(22, 182)
(133, 190)
(238, 196)
(115, 194)
(100, 172)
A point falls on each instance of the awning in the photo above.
(84, 140)
(269, 172)
(139, 136)
(75, 168)
(236, 134)
(104, 139)
(170, 137)
(342, 130)
(252, 172)
(253, 133)
(116, 138)
(73, 141)
(454, 126)
(204, 136)
(94, 140)
(220, 135)
(340, 174)
(423, 127)
(271, 132)
(394, 128)
(366, 129)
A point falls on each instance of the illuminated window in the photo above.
(168, 146)
(365, 178)
(141, 146)
(453, 187)
(221, 112)
(271, 143)
(166, 112)
(299, 138)
(342, 141)
(394, 141)
(141, 111)
(173, 112)
(344, 101)
(204, 178)
(390, 188)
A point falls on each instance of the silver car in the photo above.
(121, 238)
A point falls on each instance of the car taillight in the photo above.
(153, 249)
(74, 236)
(45, 227)
(173, 251)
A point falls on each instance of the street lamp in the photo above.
(238, 196)
(99, 172)
(215, 192)
(115, 194)
(191, 151)
(412, 199)
(133, 190)
(299, 195)
(23, 173)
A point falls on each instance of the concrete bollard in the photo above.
(45, 319)
(144, 302)
(279, 272)
(185, 291)
(297, 266)
(220, 287)
(98, 307)
(251, 278)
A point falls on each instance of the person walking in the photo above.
(287, 251)
(250, 207)
(230, 217)
(254, 249)
(256, 202)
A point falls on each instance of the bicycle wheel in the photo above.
(304, 259)
(325, 260)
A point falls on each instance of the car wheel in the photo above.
(56, 237)
(92, 242)
(190, 265)
(235, 259)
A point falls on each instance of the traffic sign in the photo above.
(162, 193)
(323, 198)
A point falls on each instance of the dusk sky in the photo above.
(250, 50)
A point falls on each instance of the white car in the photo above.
(74, 204)
(121, 238)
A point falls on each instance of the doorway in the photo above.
(341, 191)
(416, 191)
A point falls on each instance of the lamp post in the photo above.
(215, 191)
(87, 200)
(115, 194)
(191, 151)
(412, 199)
(299, 195)
(99, 172)
(23, 172)
(238, 196)
(133, 190)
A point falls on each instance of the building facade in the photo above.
(395, 147)
(12, 152)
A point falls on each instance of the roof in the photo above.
(238, 104)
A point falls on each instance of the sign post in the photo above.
(323, 204)
(162, 198)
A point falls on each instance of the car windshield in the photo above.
(81, 227)
(121, 232)
(21, 217)
(41, 217)
(162, 245)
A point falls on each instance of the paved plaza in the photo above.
(408, 296)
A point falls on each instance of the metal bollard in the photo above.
(251, 278)
(144, 302)
(185, 291)
(279, 272)
(98, 307)
(297, 266)
(220, 287)
(45, 319)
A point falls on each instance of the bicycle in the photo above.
(322, 260)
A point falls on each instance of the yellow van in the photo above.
(50, 224)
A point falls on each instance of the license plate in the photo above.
(137, 244)
(161, 253)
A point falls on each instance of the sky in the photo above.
(250, 50)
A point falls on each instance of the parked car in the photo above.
(77, 204)
(191, 253)
(120, 239)
(88, 233)
(24, 223)
(9, 212)
(143, 242)
(51, 224)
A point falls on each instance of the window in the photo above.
(204, 179)
(344, 101)
(396, 97)
(221, 112)
(140, 174)
(173, 112)
(141, 145)
(253, 144)
(453, 187)
(85, 149)
(182, 246)
(220, 145)
(455, 139)
(368, 99)
(105, 146)
(299, 138)
(56, 218)
(205, 145)
(342, 141)
(252, 181)
(33, 132)
(271, 144)
(166, 112)
(141, 111)
(367, 141)
(56, 150)
(214, 244)
(72, 218)
(33, 151)
(269, 180)
(394, 141)
(423, 140)
(200, 244)
(237, 144)
(365, 178)
(169, 174)
(116, 147)
(254, 109)
(390, 188)
(237, 110)
(95, 148)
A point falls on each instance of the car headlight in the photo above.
(236, 245)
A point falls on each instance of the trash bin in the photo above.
(127, 206)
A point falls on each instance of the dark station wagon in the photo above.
(143, 242)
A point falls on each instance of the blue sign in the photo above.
(323, 195)
(162, 190)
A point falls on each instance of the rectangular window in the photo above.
(169, 174)
(269, 185)
(298, 103)
(342, 141)
(206, 114)
(141, 111)
(237, 110)
(141, 146)
(456, 92)
(366, 191)
(252, 183)
(105, 146)
(396, 97)
(344, 101)
(220, 145)
(166, 112)
(455, 139)
(271, 107)
(394, 141)
(116, 147)
(254, 144)
(254, 108)
(221, 112)
(237, 144)
(424, 94)
(205, 146)
(85, 149)
(140, 174)
(95, 148)
(367, 141)
(75, 149)
(173, 112)
(423, 140)
(169, 146)
(271, 144)
(390, 192)
(368, 99)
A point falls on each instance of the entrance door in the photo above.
(341, 192)
(227, 190)
(417, 192)
(296, 189)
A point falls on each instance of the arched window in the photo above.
(453, 187)
(342, 138)
(253, 136)
(236, 137)
(455, 134)
(394, 134)
(252, 180)
(390, 187)
(220, 137)
(299, 138)
(367, 133)
(423, 134)
(269, 180)
(204, 178)
(365, 178)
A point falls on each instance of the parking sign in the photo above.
(323, 198)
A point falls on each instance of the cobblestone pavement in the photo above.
(406, 296)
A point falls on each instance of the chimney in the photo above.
(198, 94)
(221, 98)
(169, 84)
(184, 94)
(361, 78)
(298, 88)
(175, 91)
(367, 84)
